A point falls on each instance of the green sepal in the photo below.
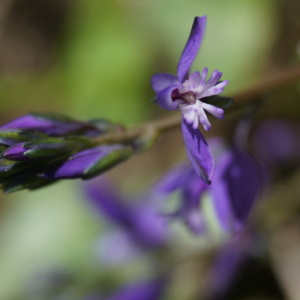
(12, 137)
(107, 162)
(218, 101)
(24, 181)
(104, 125)
(2, 148)
(145, 142)
(54, 117)
(54, 147)
(8, 167)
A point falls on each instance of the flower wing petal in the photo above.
(161, 81)
(191, 48)
(237, 182)
(106, 201)
(173, 180)
(191, 198)
(165, 100)
(198, 151)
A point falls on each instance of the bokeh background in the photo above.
(87, 59)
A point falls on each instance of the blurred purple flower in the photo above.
(236, 185)
(140, 226)
(277, 142)
(192, 95)
(52, 124)
(144, 290)
(147, 290)
(226, 264)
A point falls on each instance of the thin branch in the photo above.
(273, 81)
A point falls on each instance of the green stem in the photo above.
(241, 99)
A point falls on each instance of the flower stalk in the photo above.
(241, 99)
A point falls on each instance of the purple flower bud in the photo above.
(89, 163)
(43, 123)
(54, 124)
(16, 152)
(40, 148)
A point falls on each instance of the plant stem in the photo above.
(242, 98)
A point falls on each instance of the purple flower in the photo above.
(151, 289)
(277, 142)
(227, 263)
(236, 185)
(185, 92)
(147, 290)
(192, 95)
(139, 225)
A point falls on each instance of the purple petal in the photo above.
(215, 90)
(108, 248)
(35, 123)
(191, 48)
(215, 111)
(142, 221)
(237, 183)
(173, 180)
(214, 78)
(149, 290)
(226, 265)
(161, 81)
(278, 142)
(198, 151)
(76, 165)
(164, 98)
(149, 226)
(191, 198)
(203, 120)
(16, 152)
(107, 201)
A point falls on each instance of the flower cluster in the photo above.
(40, 148)
(193, 95)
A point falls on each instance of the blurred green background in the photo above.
(87, 59)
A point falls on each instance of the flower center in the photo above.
(188, 97)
